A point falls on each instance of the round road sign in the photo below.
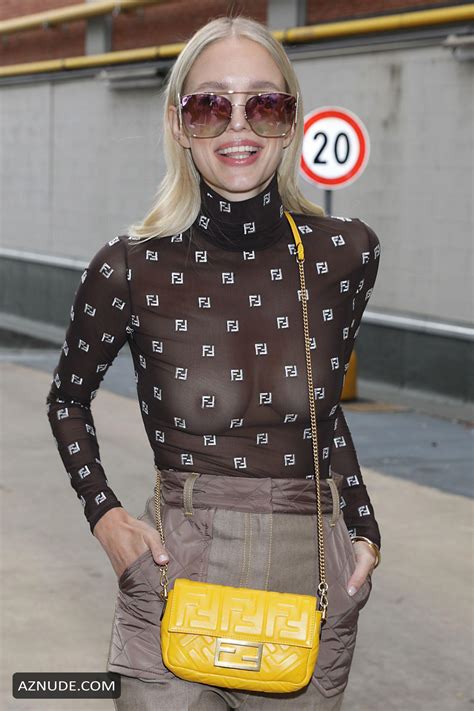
(335, 147)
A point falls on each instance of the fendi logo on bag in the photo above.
(237, 647)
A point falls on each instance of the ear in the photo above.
(179, 135)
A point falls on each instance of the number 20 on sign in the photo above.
(335, 147)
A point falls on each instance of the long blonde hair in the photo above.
(178, 199)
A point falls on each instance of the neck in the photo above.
(254, 223)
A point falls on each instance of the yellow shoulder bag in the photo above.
(243, 638)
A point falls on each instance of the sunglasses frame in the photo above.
(232, 91)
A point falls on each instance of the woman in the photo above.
(206, 292)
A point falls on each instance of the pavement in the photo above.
(414, 646)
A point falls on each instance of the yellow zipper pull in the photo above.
(297, 237)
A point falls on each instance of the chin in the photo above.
(241, 179)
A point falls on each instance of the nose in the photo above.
(238, 120)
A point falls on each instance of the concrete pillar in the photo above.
(98, 34)
(286, 13)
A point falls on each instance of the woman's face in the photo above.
(239, 64)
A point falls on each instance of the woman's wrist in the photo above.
(104, 529)
(373, 545)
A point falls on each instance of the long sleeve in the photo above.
(357, 508)
(97, 330)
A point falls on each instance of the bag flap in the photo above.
(242, 613)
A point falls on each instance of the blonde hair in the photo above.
(178, 198)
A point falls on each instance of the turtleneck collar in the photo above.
(255, 223)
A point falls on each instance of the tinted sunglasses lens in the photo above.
(205, 115)
(271, 114)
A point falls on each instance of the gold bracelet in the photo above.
(373, 545)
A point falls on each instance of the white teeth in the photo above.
(240, 151)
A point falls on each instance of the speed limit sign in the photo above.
(335, 147)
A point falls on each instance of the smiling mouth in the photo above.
(239, 152)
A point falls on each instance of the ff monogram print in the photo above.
(212, 317)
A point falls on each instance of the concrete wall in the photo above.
(417, 191)
(79, 162)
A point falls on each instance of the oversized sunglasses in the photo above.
(207, 114)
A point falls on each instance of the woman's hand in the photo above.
(124, 538)
(365, 563)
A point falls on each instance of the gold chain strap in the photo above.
(322, 587)
(163, 594)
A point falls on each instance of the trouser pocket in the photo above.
(135, 647)
(339, 632)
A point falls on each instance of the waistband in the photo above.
(250, 494)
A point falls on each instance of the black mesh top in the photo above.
(213, 320)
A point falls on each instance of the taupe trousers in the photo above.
(238, 531)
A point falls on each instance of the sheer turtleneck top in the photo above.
(212, 317)
(255, 223)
